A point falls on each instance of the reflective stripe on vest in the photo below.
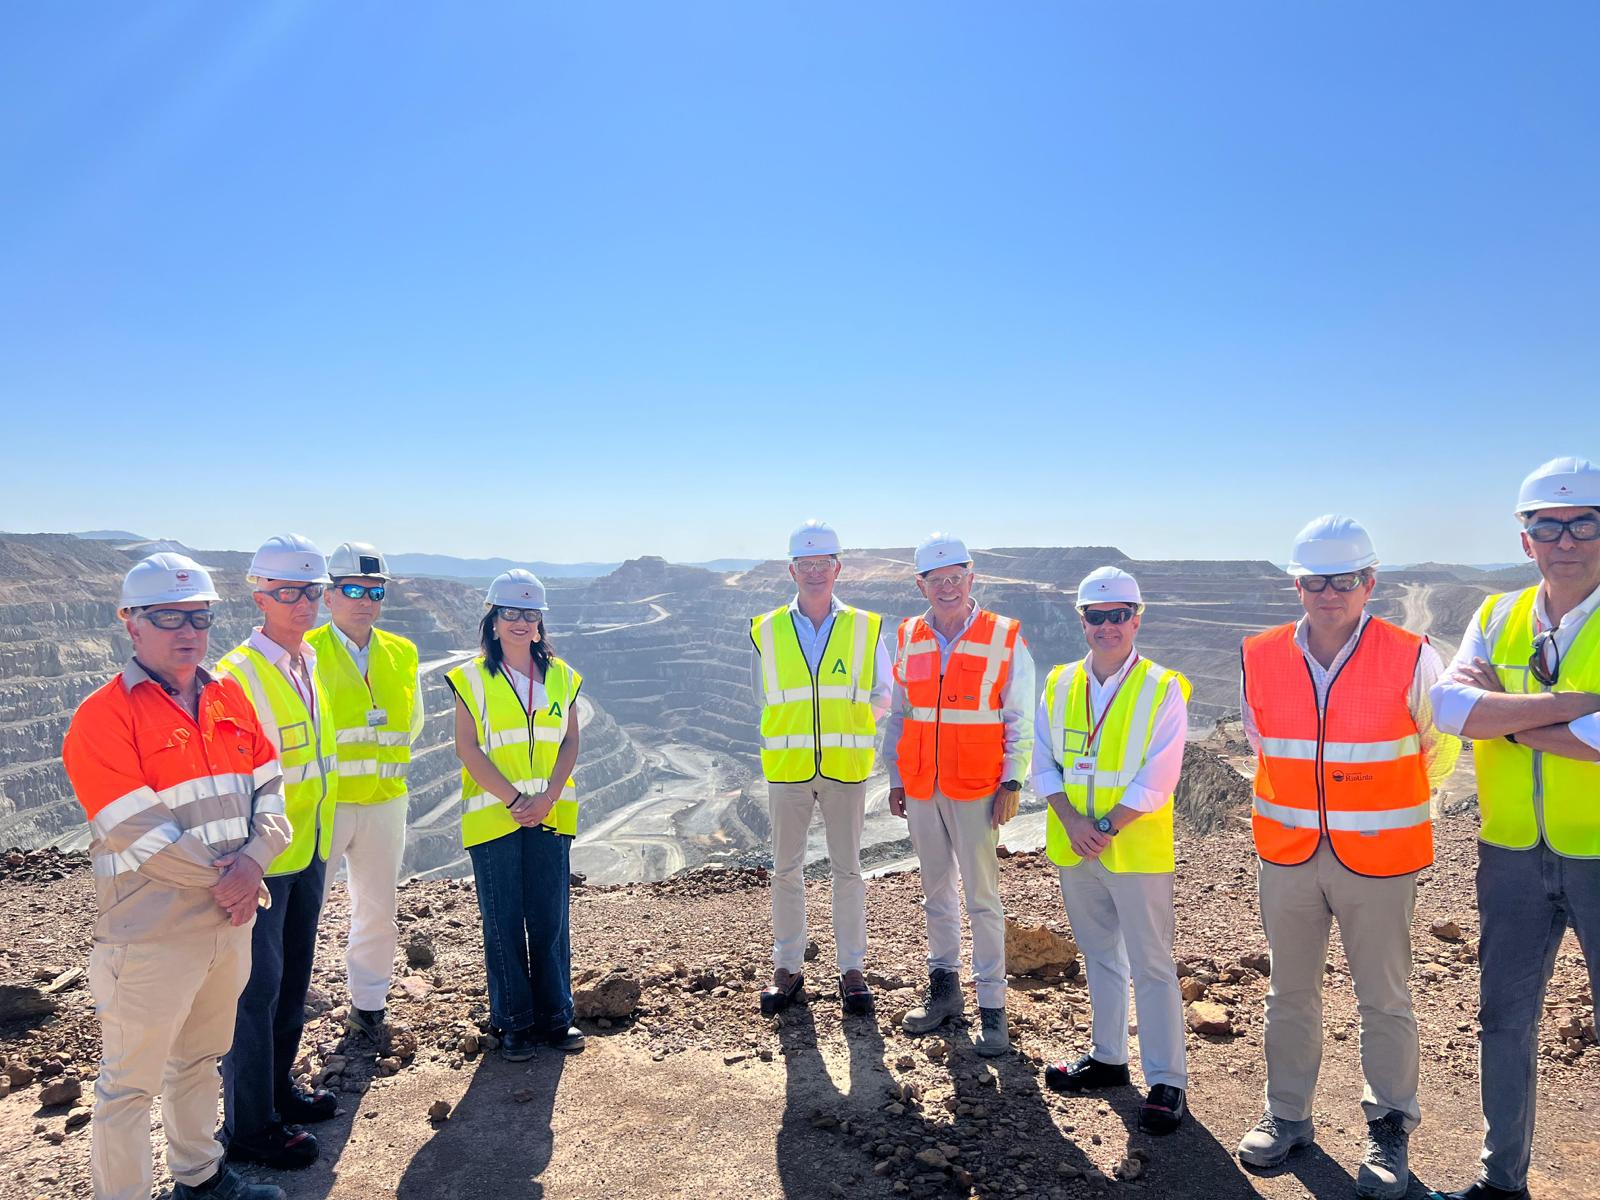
(522, 747)
(1524, 794)
(373, 760)
(953, 734)
(306, 753)
(1142, 846)
(823, 723)
(1353, 772)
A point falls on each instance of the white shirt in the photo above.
(532, 694)
(1439, 748)
(304, 686)
(1453, 701)
(814, 640)
(361, 655)
(1016, 705)
(1152, 788)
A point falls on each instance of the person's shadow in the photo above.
(464, 1160)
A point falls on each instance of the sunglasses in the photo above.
(1582, 529)
(292, 594)
(356, 591)
(176, 618)
(1103, 616)
(1347, 582)
(1536, 664)
(528, 615)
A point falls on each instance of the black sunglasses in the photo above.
(176, 618)
(1116, 616)
(1548, 529)
(529, 615)
(1536, 665)
(1348, 581)
(357, 591)
(291, 594)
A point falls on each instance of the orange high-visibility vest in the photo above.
(1353, 772)
(954, 736)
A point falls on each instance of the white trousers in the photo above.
(958, 837)
(371, 838)
(166, 1016)
(1123, 923)
(843, 805)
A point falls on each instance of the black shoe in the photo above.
(1085, 1074)
(775, 999)
(569, 1039)
(282, 1147)
(365, 1021)
(518, 1045)
(307, 1108)
(1163, 1110)
(857, 999)
(1481, 1191)
(226, 1184)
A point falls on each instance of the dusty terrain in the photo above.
(695, 1095)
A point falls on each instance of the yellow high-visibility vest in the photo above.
(822, 723)
(305, 743)
(1143, 846)
(373, 758)
(1523, 793)
(522, 745)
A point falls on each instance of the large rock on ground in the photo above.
(614, 996)
(1038, 950)
(1209, 1018)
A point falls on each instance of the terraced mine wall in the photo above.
(60, 639)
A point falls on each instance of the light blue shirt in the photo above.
(814, 640)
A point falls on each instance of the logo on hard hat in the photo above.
(183, 577)
(1563, 490)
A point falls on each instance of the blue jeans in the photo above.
(257, 1073)
(1526, 901)
(523, 893)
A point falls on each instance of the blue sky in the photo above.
(586, 281)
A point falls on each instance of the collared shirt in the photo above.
(1453, 701)
(362, 655)
(1152, 788)
(1440, 748)
(814, 640)
(1016, 705)
(305, 686)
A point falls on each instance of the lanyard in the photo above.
(303, 692)
(1088, 703)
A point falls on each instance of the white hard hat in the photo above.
(1332, 545)
(165, 579)
(516, 589)
(1561, 483)
(1109, 585)
(289, 556)
(941, 550)
(357, 558)
(814, 537)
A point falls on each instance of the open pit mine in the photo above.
(668, 775)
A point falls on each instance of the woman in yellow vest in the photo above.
(517, 739)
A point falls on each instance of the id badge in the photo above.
(376, 717)
(1083, 767)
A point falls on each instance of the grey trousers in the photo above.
(1123, 923)
(1526, 901)
(1298, 906)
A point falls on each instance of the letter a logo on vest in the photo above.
(555, 708)
(838, 667)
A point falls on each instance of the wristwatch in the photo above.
(1105, 826)
(1011, 785)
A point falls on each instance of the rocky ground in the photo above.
(687, 1091)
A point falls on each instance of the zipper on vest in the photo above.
(1322, 728)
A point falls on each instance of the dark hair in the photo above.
(490, 644)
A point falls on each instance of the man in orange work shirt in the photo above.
(185, 806)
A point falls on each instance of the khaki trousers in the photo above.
(843, 807)
(166, 1013)
(956, 839)
(1298, 905)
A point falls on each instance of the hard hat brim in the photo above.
(1297, 570)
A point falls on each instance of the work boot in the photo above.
(226, 1184)
(366, 1021)
(1384, 1174)
(993, 1039)
(518, 1045)
(1269, 1143)
(944, 1000)
(569, 1039)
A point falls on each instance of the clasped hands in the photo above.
(238, 890)
(530, 811)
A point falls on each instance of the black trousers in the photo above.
(256, 1073)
